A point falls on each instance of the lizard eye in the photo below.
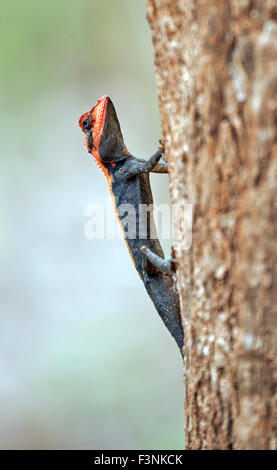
(86, 124)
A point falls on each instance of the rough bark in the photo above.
(217, 85)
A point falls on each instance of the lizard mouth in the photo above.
(92, 123)
(98, 114)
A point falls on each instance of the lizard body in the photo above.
(128, 179)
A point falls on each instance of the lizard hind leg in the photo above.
(166, 266)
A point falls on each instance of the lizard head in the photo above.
(103, 137)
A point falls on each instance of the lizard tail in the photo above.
(167, 303)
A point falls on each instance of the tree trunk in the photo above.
(216, 75)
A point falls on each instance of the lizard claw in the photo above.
(173, 260)
(162, 146)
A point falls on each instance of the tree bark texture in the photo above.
(216, 75)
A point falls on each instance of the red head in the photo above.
(103, 137)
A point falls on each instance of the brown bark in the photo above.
(217, 84)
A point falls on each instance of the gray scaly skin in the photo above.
(128, 178)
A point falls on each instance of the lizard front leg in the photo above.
(136, 166)
(161, 167)
(145, 166)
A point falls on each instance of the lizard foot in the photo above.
(166, 266)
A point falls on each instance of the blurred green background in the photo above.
(85, 360)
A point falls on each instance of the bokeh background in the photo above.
(85, 360)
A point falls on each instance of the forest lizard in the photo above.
(128, 179)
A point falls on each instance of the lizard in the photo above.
(128, 179)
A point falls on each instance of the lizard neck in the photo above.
(110, 168)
